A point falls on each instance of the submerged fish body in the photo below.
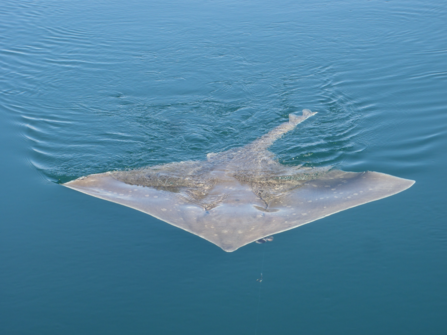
(241, 195)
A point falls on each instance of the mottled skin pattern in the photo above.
(241, 195)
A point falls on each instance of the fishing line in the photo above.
(260, 289)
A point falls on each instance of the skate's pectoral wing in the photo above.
(239, 196)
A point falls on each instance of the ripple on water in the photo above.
(92, 99)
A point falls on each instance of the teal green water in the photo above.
(92, 86)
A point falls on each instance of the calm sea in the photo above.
(92, 86)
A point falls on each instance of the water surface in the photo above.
(93, 86)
